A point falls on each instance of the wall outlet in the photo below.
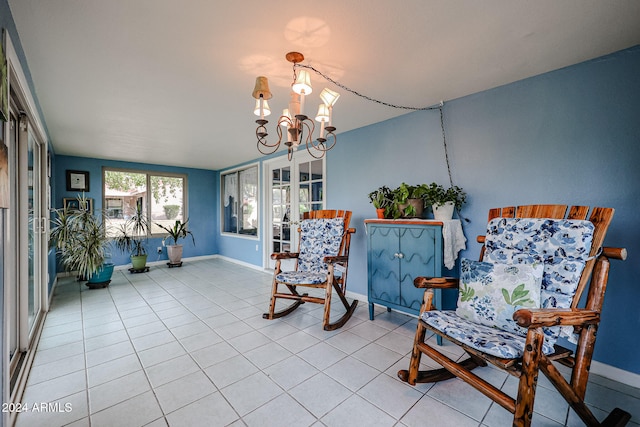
(159, 249)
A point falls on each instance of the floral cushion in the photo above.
(483, 338)
(301, 277)
(562, 245)
(491, 293)
(318, 238)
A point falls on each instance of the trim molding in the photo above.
(615, 374)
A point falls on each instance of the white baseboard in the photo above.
(615, 374)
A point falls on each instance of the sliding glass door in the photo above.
(25, 239)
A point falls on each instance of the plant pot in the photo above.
(102, 277)
(175, 253)
(380, 212)
(138, 262)
(444, 212)
(418, 205)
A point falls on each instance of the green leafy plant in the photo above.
(401, 197)
(132, 234)
(436, 194)
(381, 198)
(79, 238)
(179, 230)
(519, 296)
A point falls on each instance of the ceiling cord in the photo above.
(401, 107)
(340, 85)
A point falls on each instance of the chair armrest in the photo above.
(615, 253)
(335, 259)
(536, 317)
(284, 255)
(436, 282)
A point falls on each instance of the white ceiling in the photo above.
(170, 81)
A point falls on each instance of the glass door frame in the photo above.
(299, 158)
(17, 229)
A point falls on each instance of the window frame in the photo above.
(148, 174)
(237, 170)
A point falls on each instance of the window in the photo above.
(240, 201)
(162, 197)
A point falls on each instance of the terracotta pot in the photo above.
(380, 212)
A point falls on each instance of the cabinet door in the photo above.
(418, 249)
(384, 264)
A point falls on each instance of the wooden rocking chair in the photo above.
(520, 236)
(323, 251)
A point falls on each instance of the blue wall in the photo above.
(202, 199)
(569, 136)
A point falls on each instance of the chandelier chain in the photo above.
(368, 98)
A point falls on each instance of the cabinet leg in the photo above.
(370, 311)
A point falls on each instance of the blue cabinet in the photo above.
(398, 251)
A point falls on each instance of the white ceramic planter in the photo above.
(175, 253)
(444, 212)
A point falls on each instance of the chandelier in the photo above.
(298, 127)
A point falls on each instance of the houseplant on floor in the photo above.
(179, 230)
(81, 243)
(132, 238)
(444, 201)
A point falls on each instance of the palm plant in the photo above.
(132, 235)
(179, 230)
(79, 238)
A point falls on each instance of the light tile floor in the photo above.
(188, 347)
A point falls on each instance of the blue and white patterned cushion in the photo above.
(491, 293)
(318, 238)
(483, 338)
(301, 277)
(561, 246)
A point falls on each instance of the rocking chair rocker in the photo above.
(321, 263)
(525, 247)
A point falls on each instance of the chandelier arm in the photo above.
(261, 134)
(322, 145)
(368, 98)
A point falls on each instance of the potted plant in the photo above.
(80, 240)
(408, 201)
(132, 238)
(382, 198)
(444, 201)
(178, 230)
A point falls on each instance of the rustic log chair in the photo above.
(526, 349)
(323, 251)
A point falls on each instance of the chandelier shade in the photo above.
(261, 88)
(302, 84)
(262, 108)
(323, 113)
(329, 97)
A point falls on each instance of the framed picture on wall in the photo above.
(77, 180)
(74, 203)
